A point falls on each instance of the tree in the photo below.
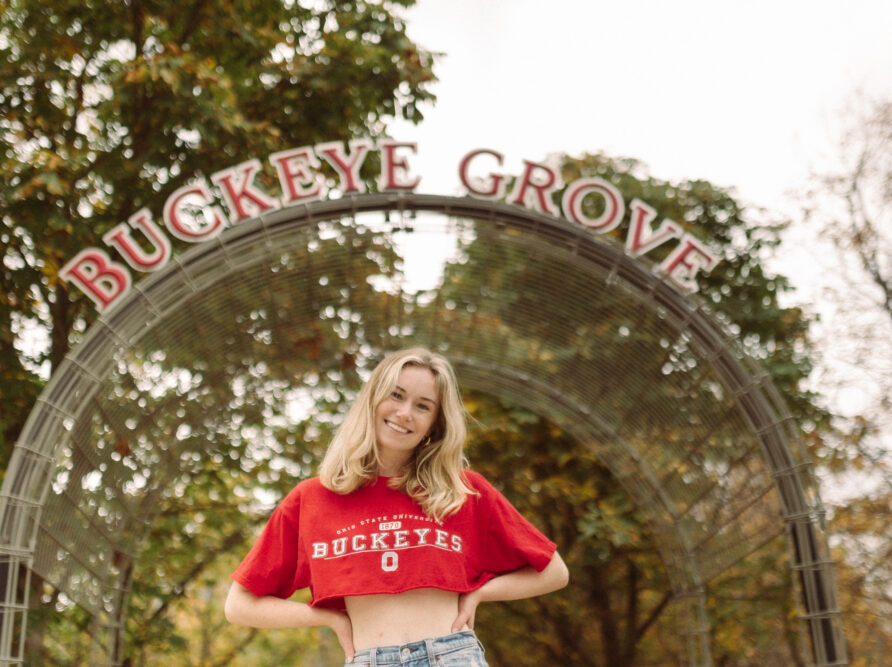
(236, 443)
(850, 205)
(618, 589)
(510, 300)
(107, 107)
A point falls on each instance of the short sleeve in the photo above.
(274, 565)
(510, 541)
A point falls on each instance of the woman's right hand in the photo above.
(340, 623)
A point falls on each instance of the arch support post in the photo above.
(816, 579)
(15, 583)
(695, 628)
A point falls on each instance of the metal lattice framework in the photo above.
(553, 317)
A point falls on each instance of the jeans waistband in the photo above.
(418, 650)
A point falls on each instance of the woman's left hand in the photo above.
(467, 607)
(523, 583)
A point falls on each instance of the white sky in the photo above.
(747, 95)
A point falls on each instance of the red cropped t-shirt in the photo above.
(378, 540)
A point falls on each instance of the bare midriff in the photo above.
(387, 620)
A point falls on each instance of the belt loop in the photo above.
(431, 656)
(373, 655)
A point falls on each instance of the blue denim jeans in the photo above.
(460, 649)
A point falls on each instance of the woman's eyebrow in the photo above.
(422, 398)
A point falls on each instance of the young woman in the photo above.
(397, 541)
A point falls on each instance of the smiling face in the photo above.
(405, 417)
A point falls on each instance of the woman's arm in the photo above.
(244, 608)
(523, 583)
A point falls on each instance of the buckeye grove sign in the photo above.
(193, 213)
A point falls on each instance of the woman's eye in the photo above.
(422, 406)
(396, 394)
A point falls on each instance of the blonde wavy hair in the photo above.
(433, 477)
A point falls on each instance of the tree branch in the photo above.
(180, 587)
(236, 650)
(193, 20)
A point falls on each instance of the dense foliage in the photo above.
(107, 107)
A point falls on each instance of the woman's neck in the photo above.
(392, 466)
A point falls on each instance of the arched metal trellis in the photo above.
(550, 316)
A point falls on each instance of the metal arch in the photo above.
(53, 422)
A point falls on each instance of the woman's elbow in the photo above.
(560, 573)
(234, 607)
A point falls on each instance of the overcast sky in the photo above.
(749, 95)
(744, 94)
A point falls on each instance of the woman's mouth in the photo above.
(396, 427)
